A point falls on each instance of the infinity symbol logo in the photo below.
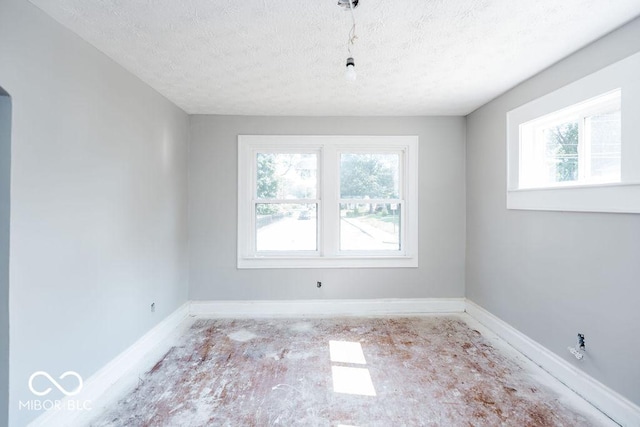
(55, 383)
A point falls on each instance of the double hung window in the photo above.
(327, 201)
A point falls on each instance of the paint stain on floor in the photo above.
(416, 371)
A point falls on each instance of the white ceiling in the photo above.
(274, 57)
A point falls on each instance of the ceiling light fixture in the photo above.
(350, 73)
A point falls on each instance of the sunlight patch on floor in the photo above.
(349, 380)
(346, 352)
(346, 379)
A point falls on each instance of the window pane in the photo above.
(603, 133)
(561, 152)
(369, 176)
(580, 144)
(286, 227)
(370, 226)
(286, 176)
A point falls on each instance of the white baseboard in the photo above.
(120, 374)
(615, 406)
(315, 308)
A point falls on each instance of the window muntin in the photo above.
(577, 145)
(327, 201)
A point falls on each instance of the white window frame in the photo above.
(327, 199)
(618, 197)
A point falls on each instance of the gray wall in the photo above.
(98, 202)
(213, 212)
(5, 184)
(554, 274)
(99, 208)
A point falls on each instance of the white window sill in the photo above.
(327, 262)
(615, 198)
(571, 186)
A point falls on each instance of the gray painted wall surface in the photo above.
(5, 179)
(213, 211)
(99, 212)
(554, 274)
(99, 202)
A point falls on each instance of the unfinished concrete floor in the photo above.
(398, 371)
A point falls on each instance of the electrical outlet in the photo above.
(581, 345)
(153, 307)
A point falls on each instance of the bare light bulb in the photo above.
(350, 74)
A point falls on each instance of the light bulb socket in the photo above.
(345, 4)
(350, 72)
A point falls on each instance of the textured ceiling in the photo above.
(274, 57)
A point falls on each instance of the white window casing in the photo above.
(328, 253)
(592, 94)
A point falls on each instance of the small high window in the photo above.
(578, 148)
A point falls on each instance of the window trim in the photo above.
(328, 254)
(617, 197)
